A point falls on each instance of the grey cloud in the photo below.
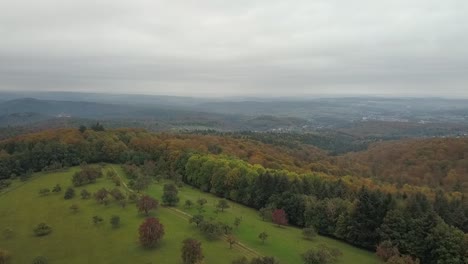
(255, 47)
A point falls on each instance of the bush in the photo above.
(40, 260)
(85, 194)
(309, 233)
(115, 221)
(323, 255)
(57, 188)
(44, 191)
(42, 229)
(69, 194)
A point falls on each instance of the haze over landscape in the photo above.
(234, 132)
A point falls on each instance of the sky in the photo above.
(231, 48)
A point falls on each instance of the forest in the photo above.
(351, 197)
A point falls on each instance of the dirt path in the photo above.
(244, 250)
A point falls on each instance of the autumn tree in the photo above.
(385, 250)
(151, 232)
(263, 236)
(101, 196)
(146, 203)
(279, 217)
(191, 251)
(170, 196)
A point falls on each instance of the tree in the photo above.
(57, 188)
(212, 230)
(42, 229)
(322, 255)
(97, 127)
(74, 208)
(40, 260)
(115, 221)
(170, 197)
(151, 232)
(241, 260)
(101, 196)
(85, 194)
(279, 217)
(231, 240)
(263, 236)
(69, 193)
(309, 233)
(44, 191)
(146, 203)
(237, 222)
(191, 251)
(402, 259)
(222, 204)
(5, 256)
(197, 219)
(385, 250)
(82, 129)
(97, 220)
(188, 204)
(141, 183)
(265, 213)
(201, 202)
(117, 195)
(264, 260)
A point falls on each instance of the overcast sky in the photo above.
(251, 47)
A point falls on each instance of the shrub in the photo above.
(40, 260)
(42, 229)
(115, 221)
(69, 193)
(309, 233)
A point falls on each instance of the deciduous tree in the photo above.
(151, 232)
(146, 203)
(192, 251)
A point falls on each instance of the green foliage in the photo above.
(69, 193)
(222, 204)
(85, 194)
(197, 219)
(322, 255)
(188, 204)
(309, 233)
(40, 260)
(263, 236)
(57, 188)
(170, 197)
(115, 221)
(42, 229)
(212, 230)
(97, 220)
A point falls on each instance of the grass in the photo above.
(285, 243)
(75, 239)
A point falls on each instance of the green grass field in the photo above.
(75, 239)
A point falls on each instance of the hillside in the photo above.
(434, 162)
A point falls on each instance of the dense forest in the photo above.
(310, 186)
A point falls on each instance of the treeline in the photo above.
(363, 213)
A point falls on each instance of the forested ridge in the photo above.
(420, 222)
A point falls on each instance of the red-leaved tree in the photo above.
(151, 231)
(279, 217)
(191, 251)
(146, 204)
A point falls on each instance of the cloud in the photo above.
(240, 47)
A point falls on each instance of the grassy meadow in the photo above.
(75, 239)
